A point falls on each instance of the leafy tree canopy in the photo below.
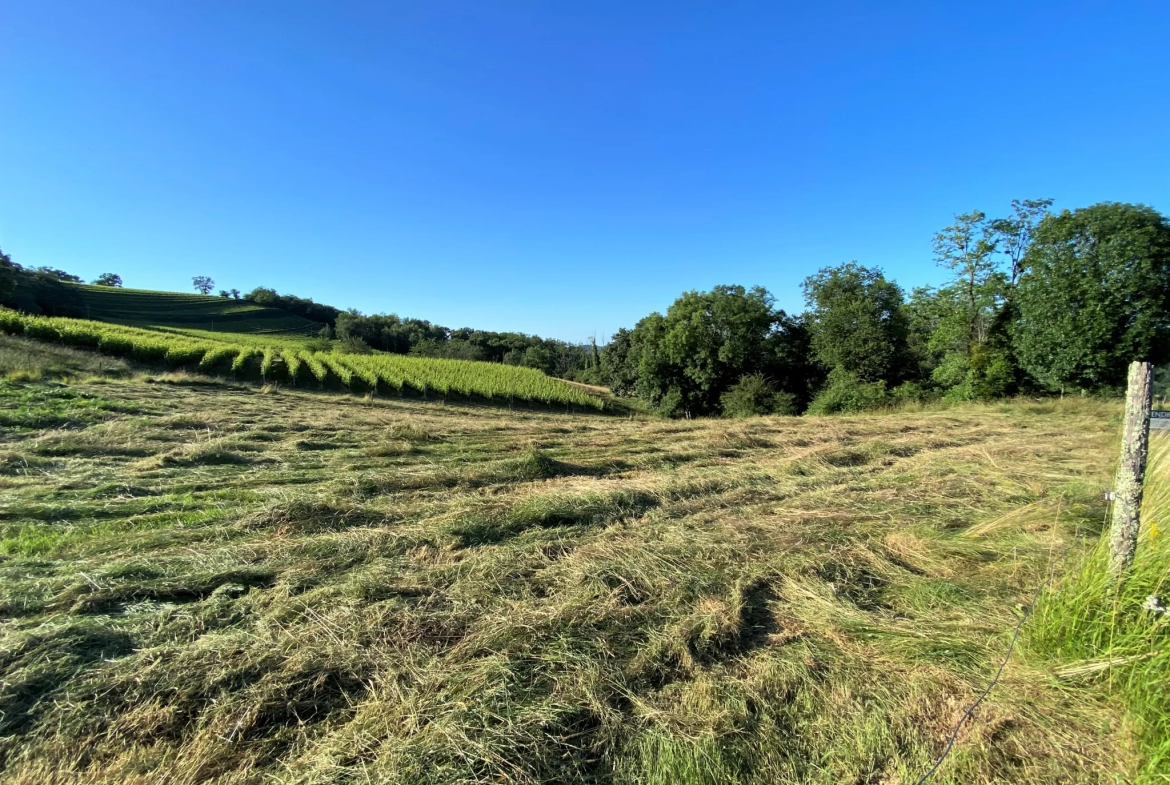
(1094, 295)
(682, 363)
(60, 275)
(856, 321)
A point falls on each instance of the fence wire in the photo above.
(1011, 648)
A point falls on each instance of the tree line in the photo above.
(403, 335)
(1036, 302)
(43, 290)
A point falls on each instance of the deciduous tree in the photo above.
(856, 322)
(1094, 295)
(1013, 235)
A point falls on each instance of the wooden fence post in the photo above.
(1127, 488)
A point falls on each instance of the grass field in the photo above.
(207, 582)
(146, 308)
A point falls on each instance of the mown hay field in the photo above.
(207, 582)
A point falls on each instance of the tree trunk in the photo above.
(1127, 507)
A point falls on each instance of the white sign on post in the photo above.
(1159, 420)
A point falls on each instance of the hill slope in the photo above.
(146, 308)
(298, 360)
(205, 584)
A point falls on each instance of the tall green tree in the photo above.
(1094, 295)
(714, 338)
(1013, 235)
(968, 316)
(682, 363)
(856, 322)
(967, 249)
(619, 364)
(43, 291)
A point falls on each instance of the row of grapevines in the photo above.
(467, 378)
(211, 352)
(293, 362)
(315, 366)
(242, 359)
(268, 362)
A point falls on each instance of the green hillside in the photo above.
(145, 308)
(293, 359)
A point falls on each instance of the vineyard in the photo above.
(143, 308)
(295, 361)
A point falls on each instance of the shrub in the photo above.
(911, 392)
(240, 364)
(217, 357)
(752, 396)
(352, 344)
(41, 329)
(268, 362)
(185, 353)
(844, 392)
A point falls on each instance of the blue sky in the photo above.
(556, 168)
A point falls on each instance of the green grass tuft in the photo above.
(1105, 638)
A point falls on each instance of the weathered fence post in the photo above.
(1127, 488)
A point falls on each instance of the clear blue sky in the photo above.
(553, 167)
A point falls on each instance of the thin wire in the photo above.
(1011, 648)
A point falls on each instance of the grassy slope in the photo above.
(145, 308)
(206, 583)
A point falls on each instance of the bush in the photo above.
(843, 392)
(989, 372)
(752, 396)
(911, 392)
(352, 344)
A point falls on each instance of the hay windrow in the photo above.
(234, 587)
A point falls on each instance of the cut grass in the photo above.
(452, 594)
(25, 360)
(1109, 639)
